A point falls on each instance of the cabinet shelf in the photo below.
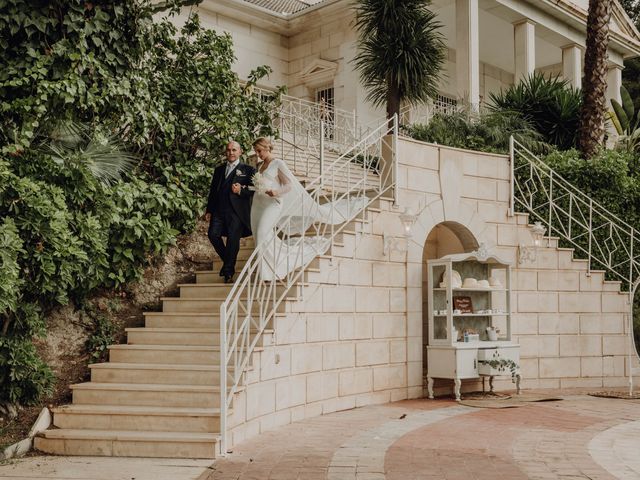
(446, 356)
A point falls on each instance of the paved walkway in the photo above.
(580, 437)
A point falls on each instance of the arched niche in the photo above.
(445, 238)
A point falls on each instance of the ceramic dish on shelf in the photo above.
(495, 282)
(456, 279)
(470, 282)
(483, 284)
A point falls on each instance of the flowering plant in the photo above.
(259, 183)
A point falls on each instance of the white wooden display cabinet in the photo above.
(481, 306)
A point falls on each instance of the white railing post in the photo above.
(223, 379)
(512, 159)
(322, 124)
(394, 156)
(590, 236)
(549, 230)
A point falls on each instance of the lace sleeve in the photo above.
(283, 180)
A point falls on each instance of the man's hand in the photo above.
(235, 188)
(207, 217)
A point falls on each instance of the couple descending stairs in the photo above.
(159, 394)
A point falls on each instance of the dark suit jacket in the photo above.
(241, 204)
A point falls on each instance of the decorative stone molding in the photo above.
(319, 72)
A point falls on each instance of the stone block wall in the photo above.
(357, 334)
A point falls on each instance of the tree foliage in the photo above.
(631, 72)
(89, 206)
(487, 132)
(400, 51)
(591, 129)
(550, 105)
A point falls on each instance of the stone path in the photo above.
(580, 437)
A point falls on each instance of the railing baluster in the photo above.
(223, 378)
(258, 299)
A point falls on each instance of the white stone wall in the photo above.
(253, 46)
(572, 327)
(356, 337)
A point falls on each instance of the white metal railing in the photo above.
(606, 240)
(304, 120)
(253, 302)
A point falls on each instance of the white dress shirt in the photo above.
(230, 167)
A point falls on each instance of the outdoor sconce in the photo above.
(529, 253)
(400, 244)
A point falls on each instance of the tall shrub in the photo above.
(168, 97)
(549, 104)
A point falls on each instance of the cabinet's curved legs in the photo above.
(430, 387)
(491, 384)
(456, 389)
(518, 384)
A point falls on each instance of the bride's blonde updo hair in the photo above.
(263, 142)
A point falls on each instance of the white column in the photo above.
(524, 35)
(614, 82)
(468, 52)
(572, 64)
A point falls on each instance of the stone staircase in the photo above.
(159, 394)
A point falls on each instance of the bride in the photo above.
(279, 200)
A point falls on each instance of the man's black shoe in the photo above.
(228, 279)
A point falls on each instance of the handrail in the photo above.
(253, 302)
(590, 228)
(605, 239)
(302, 120)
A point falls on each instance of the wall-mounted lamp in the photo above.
(400, 244)
(529, 253)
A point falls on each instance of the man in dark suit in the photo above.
(229, 208)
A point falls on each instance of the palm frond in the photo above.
(400, 48)
(73, 144)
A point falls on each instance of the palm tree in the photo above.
(594, 86)
(401, 51)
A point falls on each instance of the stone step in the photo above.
(521, 218)
(158, 354)
(154, 395)
(213, 276)
(137, 418)
(173, 336)
(550, 242)
(182, 320)
(216, 290)
(124, 443)
(198, 305)
(199, 337)
(155, 373)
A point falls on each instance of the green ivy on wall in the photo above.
(153, 103)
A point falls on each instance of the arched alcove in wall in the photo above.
(446, 238)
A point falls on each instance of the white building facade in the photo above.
(491, 44)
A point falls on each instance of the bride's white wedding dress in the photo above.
(293, 210)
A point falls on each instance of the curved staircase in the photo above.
(159, 394)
